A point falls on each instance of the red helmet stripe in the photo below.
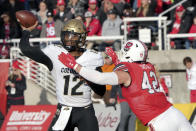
(146, 50)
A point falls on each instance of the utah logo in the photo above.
(128, 46)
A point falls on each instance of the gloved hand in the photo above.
(109, 51)
(68, 60)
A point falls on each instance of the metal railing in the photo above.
(34, 71)
(91, 38)
(172, 36)
(173, 7)
(40, 74)
(37, 72)
(161, 26)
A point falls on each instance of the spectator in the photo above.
(93, 25)
(127, 11)
(61, 11)
(127, 117)
(93, 6)
(181, 24)
(147, 8)
(41, 14)
(8, 30)
(131, 31)
(51, 28)
(12, 6)
(51, 4)
(119, 4)
(102, 12)
(74, 9)
(191, 41)
(111, 27)
(15, 86)
(190, 77)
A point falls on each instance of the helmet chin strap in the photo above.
(73, 48)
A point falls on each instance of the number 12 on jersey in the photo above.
(73, 89)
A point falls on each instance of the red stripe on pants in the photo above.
(193, 96)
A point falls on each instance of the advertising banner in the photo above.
(29, 118)
(4, 71)
(108, 117)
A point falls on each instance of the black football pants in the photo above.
(81, 117)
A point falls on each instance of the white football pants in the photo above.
(170, 120)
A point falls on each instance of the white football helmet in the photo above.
(134, 50)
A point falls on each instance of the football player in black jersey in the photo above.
(74, 107)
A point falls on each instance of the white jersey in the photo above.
(70, 90)
(191, 77)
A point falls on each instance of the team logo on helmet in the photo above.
(134, 50)
(128, 46)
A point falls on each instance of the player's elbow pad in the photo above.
(109, 78)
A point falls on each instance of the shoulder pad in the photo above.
(91, 59)
(54, 49)
(93, 51)
(121, 67)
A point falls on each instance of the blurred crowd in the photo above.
(101, 18)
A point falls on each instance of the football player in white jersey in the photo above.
(74, 107)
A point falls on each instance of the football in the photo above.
(26, 18)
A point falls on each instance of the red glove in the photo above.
(109, 51)
(68, 60)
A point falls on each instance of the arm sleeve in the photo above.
(98, 89)
(34, 53)
(107, 78)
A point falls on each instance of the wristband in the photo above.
(76, 65)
